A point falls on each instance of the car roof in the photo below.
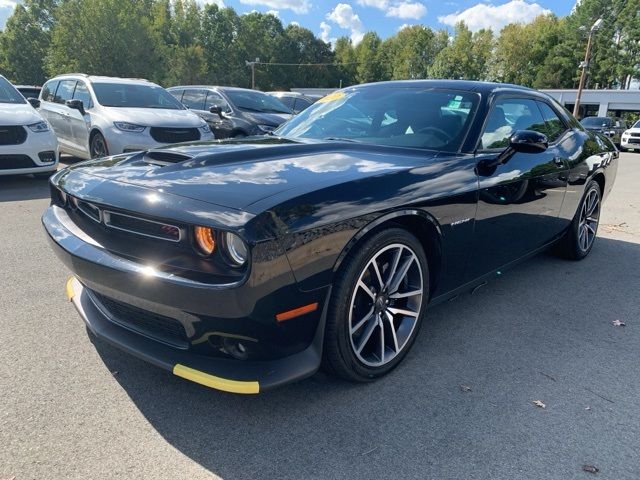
(287, 94)
(27, 86)
(470, 85)
(215, 87)
(102, 79)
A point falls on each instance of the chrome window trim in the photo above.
(106, 217)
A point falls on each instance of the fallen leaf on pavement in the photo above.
(587, 408)
(590, 468)
(539, 404)
(618, 323)
(465, 388)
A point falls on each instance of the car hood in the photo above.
(273, 119)
(18, 114)
(155, 117)
(632, 130)
(237, 174)
(597, 128)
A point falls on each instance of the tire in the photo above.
(369, 329)
(581, 235)
(98, 146)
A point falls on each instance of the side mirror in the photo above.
(216, 109)
(76, 105)
(35, 103)
(528, 141)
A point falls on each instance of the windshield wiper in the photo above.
(340, 139)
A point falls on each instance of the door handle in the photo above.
(559, 161)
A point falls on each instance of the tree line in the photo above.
(180, 42)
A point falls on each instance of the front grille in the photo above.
(9, 162)
(635, 134)
(174, 135)
(164, 329)
(140, 226)
(12, 135)
(634, 140)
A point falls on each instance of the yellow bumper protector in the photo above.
(69, 289)
(224, 384)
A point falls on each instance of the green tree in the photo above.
(367, 54)
(466, 57)
(103, 37)
(345, 57)
(25, 41)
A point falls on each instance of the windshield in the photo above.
(596, 121)
(252, 101)
(135, 96)
(8, 94)
(432, 119)
(636, 125)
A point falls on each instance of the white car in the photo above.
(27, 143)
(630, 139)
(99, 116)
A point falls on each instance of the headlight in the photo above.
(205, 128)
(236, 249)
(129, 127)
(266, 128)
(39, 127)
(205, 240)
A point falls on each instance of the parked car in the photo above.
(27, 143)
(29, 91)
(296, 102)
(630, 139)
(234, 112)
(245, 265)
(98, 116)
(611, 127)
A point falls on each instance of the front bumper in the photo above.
(97, 271)
(220, 374)
(630, 143)
(119, 141)
(35, 144)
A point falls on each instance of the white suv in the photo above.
(99, 116)
(27, 144)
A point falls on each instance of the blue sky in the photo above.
(331, 19)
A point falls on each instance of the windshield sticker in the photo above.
(332, 97)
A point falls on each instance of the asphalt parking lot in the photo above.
(75, 408)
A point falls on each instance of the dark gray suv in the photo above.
(233, 112)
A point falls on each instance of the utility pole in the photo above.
(253, 71)
(585, 65)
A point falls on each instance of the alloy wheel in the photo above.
(385, 305)
(98, 147)
(589, 218)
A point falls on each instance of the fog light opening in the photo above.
(235, 348)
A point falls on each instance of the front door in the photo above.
(520, 199)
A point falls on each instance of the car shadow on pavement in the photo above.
(541, 331)
(27, 187)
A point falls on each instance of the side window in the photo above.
(177, 94)
(215, 99)
(302, 104)
(194, 99)
(554, 125)
(507, 116)
(82, 93)
(65, 91)
(288, 101)
(49, 90)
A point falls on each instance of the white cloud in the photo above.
(344, 16)
(8, 3)
(275, 13)
(298, 6)
(407, 9)
(294, 23)
(326, 30)
(495, 17)
(379, 4)
(404, 25)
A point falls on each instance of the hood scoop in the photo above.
(163, 158)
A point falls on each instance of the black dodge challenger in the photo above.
(246, 264)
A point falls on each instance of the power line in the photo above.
(305, 64)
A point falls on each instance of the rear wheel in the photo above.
(98, 146)
(581, 235)
(377, 306)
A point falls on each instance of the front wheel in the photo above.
(98, 146)
(377, 305)
(581, 235)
